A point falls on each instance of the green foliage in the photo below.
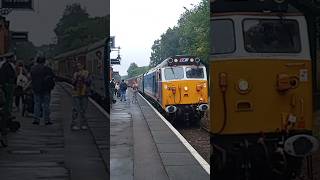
(25, 50)
(134, 70)
(76, 29)
(189, 37)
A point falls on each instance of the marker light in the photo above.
(197, 60)
(173, 89)
(175, 60)
(243, 85)
(170, 60)
(186, 88)
(198, 87)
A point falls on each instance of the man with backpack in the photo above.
(123, 90)
(43, 83)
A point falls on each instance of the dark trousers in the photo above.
(18, 96)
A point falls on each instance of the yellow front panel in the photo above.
(270, 109)
(190, 95)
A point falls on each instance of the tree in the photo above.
(189, 37)
(76, 29)
(24, 50)
(134, 70)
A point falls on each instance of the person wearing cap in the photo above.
(42, 78)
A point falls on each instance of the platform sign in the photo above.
(115, 61)
(19, 36)
(17, 4)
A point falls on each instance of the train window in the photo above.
(222, 36)
(173, 73)
(194, 72)
(271, 36)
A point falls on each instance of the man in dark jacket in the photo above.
(7, 84)
(42, 78)
(123, 90)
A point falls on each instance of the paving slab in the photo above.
(52, 152)
(121, 144)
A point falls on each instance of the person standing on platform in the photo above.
(42, 78)
(21, 83)
(123, 90)
(112, 89)
(117, 87)
(81, 89)
(7, 84)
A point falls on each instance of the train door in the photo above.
(155, 84)
(158, 85)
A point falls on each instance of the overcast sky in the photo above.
(41, 22)
(137, 24)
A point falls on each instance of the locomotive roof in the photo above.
(165, 63)
(223, 6)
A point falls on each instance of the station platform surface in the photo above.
(54, 151)
(144, 147)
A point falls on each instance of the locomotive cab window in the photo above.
(194, 72)
(222, 36)
(172, 73)
(271, 36)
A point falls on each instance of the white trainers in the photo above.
(75, 127)
(84, 127)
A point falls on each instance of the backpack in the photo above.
(48, 82)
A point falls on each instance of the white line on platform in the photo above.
(195, 154)
(94, 103)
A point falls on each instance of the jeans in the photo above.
(80, 104)
(42, 106)
(123, 95)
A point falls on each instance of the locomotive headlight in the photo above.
(186, 88)
(191, 59)
(176, 60)
(243, 85)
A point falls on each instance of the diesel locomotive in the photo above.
(261, 101)
(178, 87)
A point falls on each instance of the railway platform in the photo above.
(54, 151)
(143, 146)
